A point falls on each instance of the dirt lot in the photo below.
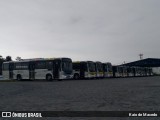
(117, 94)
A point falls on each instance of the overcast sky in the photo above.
(98, 30)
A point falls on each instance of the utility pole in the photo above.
(141, 56)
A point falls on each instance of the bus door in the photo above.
(83, 69)
(56, 69)
(31, 71)
(11, 65)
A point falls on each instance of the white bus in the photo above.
(33, 69)
(107, 69)
(130, 71)
(99, 69)
(125, 71)
(84, 69)
(116, 71)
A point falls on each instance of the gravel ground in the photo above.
(116, 94)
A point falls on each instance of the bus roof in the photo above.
(81, 61)
(36, 59)
(98, 62)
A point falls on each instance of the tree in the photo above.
(18, 58)
(1, 57)
(1, 62)
(8, 58)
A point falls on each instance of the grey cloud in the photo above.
(105, 30)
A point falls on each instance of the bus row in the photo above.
(64, 68)
(89, 69)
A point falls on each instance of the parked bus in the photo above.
(150, 71)
(142, 71)
(99, 69)
(137, 71)
(124, 71)
(33, 69)
(107, 70)
(120, 71)
(146, 69)
(84, 69)
(130, 71)
(116, 71)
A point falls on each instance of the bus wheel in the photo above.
(76, 76)
(19, 77)
(49, 78)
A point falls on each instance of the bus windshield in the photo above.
(67, 66)
(109, 65)
(91, 67)
(105, 68)
(99, 67)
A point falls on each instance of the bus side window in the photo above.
(6, 66)
(49, 65)
(40, 65)
(17, 66)
(24, 65)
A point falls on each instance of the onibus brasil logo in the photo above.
(21, 114)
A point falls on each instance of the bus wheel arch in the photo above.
(49, 77)
(76, 76)
(19, 77)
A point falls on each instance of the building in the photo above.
(154, 63)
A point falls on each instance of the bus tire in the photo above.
(19, 78)
(49, 77)
(76, 76)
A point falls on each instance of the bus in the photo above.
(34, 69)
(124, 71)
(146, 71)
(150, 71)
(143, 71)
(107, 69)
(99, 69)
(130, 71)
(121, 71)
(84, 70)
(116, 71)
(137, 71)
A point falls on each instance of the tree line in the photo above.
(8, 58)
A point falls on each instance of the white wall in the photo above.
(156, 70)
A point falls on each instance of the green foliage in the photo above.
(1, 62)
(8, 58)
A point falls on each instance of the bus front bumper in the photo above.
(66, 77)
